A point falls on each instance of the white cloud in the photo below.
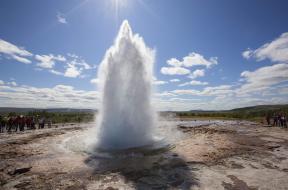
(175, 80)
(174, 71)
(263, 78)
(197, 73)
(283, 91)
(2, 82)
(14, 52)
(61, 19)
(174, 62)
(164, 94)
(228, 96)
(222, 90)
(94, 81)
(56, 72)
(193, 83)
(80, 62)
(247, 53)
(193, 59)
(21, 59)
(159, 82)
(13, 83)
(72, 71)
(186, 92)
(207, 91)
(266, 85)
(275, 51)
(58, 96)
(73, 64)
(48, 61)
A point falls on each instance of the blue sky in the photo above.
(209, 54)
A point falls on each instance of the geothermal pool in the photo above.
(166, 135)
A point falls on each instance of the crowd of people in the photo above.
(21, 123)
(279, 120)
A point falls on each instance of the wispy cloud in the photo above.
(177, 67)
(263, 78)
(197, 73)
(174, 71)
(276, 51)
(95, 81)
(159, 82)
(193, 83)
(72, 65)
(14, 52)
(72, 71)
(58, 96)
(175, 80)
(61, 18)
(48, 61)
(193, 59)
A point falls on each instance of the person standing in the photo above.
(284, 121)
(49, 122)
(10, 124)
(1, 124)
(22, 123)
(275, 119)
(33, 121)
(268, 118)
(16, 123)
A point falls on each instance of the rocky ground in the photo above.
(213, 156)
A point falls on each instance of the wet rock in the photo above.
(175, 180)
(285, 169)
(153, 181)
(237, 184)
(18, 171)
(273, 146)
(269, 165)
(23, 185)
(111, 188)
(177, 162)
(235, 165)
(175, 155)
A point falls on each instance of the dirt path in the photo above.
(207, 157)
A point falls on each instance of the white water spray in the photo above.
(126, 118)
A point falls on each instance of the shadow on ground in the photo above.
(161, 169)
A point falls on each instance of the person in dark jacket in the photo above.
(2, 124)
(275, 120)
(268, 118)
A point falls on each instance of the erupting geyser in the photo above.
(126, 118)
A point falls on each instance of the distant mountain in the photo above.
(202, 111)
(255, 113)
(25, 110)
(261, 108)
